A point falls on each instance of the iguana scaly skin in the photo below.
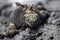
(30, 16)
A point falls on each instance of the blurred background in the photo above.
(51, 5)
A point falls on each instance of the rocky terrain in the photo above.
(51, 31)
